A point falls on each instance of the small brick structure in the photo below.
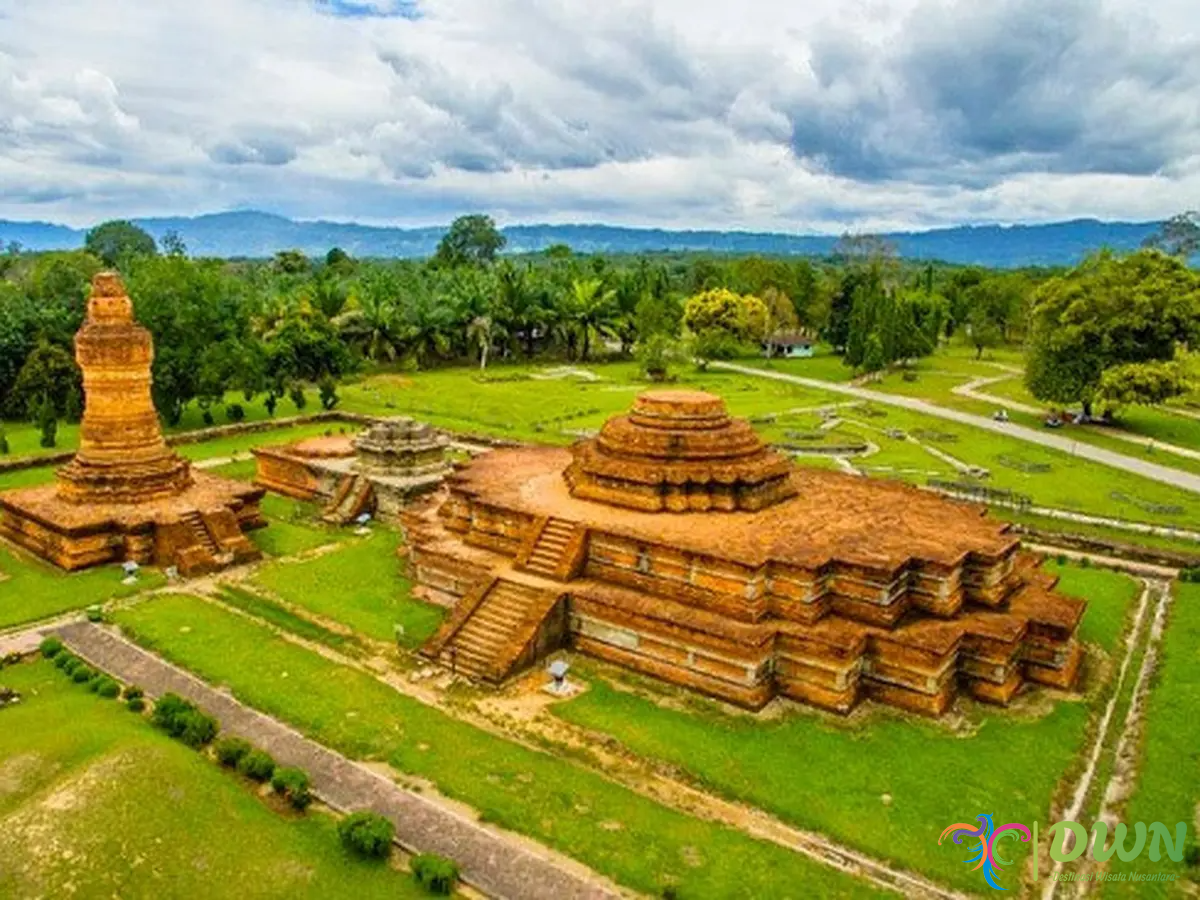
(378, 471)
(126, 495)
(676, 544)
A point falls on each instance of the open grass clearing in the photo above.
(95, 803)
(358, 585)
(617, 832)
(37, 590)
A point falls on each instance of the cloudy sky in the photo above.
(797, 115)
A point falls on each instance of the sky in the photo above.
(799, 116)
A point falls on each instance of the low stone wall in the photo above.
(1079, 543)
(215, 432)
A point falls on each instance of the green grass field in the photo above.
(294, 528)
(615, 831)
(359, 585)
(1168, 787)
(36, 590)
(95, 803)
(884, 783)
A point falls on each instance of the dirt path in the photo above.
(1149, 609)
(495, 863)
(1187, 481)
(1126, 757)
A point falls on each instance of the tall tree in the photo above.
(117, 242)
(471, 240)
(1178, 236)
(1109, 312)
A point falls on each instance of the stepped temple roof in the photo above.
(126, 495)
(678, 544)
(679, 451)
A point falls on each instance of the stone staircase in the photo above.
(551, 544)
(203, 540)
(499, 630)
(351, 499)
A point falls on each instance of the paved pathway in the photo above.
(1164, 474)
(498, 865)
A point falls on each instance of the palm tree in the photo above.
(593, 308)
(371, 319)
(481, 332)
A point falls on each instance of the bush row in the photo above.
(288, 782)
(364, 833)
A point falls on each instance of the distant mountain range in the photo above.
(257, 234)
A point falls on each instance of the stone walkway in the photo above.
(1187, 481)
(498, 865)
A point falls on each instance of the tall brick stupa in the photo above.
(126, 495)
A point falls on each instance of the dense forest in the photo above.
(1114, 330)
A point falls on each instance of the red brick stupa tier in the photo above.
(126, 495)
(677, 545)
(679, 451)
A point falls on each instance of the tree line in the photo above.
(268, 327)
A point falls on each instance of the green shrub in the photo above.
(133, 692)
(3, 442)
(136, 704)
(367, 834)
(108, 688)
(235, 412)
(296, 394)
(67, 662)
(207, 418)
(180, 719)
(168, 707)
(328, 392)
(293, 784)
(195, 728)
(436, 874)
(82, 674)
(1061, 559)
(257, 765)
(230, 751)
(47, 422)
(94, 682)
(50, 647)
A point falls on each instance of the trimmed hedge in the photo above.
(230, 751)
(182, 720)
(367, 834)
(50, 647)
(436, 874)
(293, 784)
(257, 765)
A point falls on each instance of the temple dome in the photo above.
(679, 451)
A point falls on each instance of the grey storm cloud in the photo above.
(1053, 85)
(764, 114)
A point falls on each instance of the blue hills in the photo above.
(257, 234)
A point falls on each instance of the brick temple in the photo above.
(677, 544)
(126, 495)
(377, 472)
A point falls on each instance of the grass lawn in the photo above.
(1168, 788)
(95, 803)
(833, 775)
(359, 585)
(36, 590)
(294, 528)
(283, 618)
(1110, 596)
(615, 831)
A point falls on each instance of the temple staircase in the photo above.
(204, 549)
(352, 498)
(499, 627)
(546, 557)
